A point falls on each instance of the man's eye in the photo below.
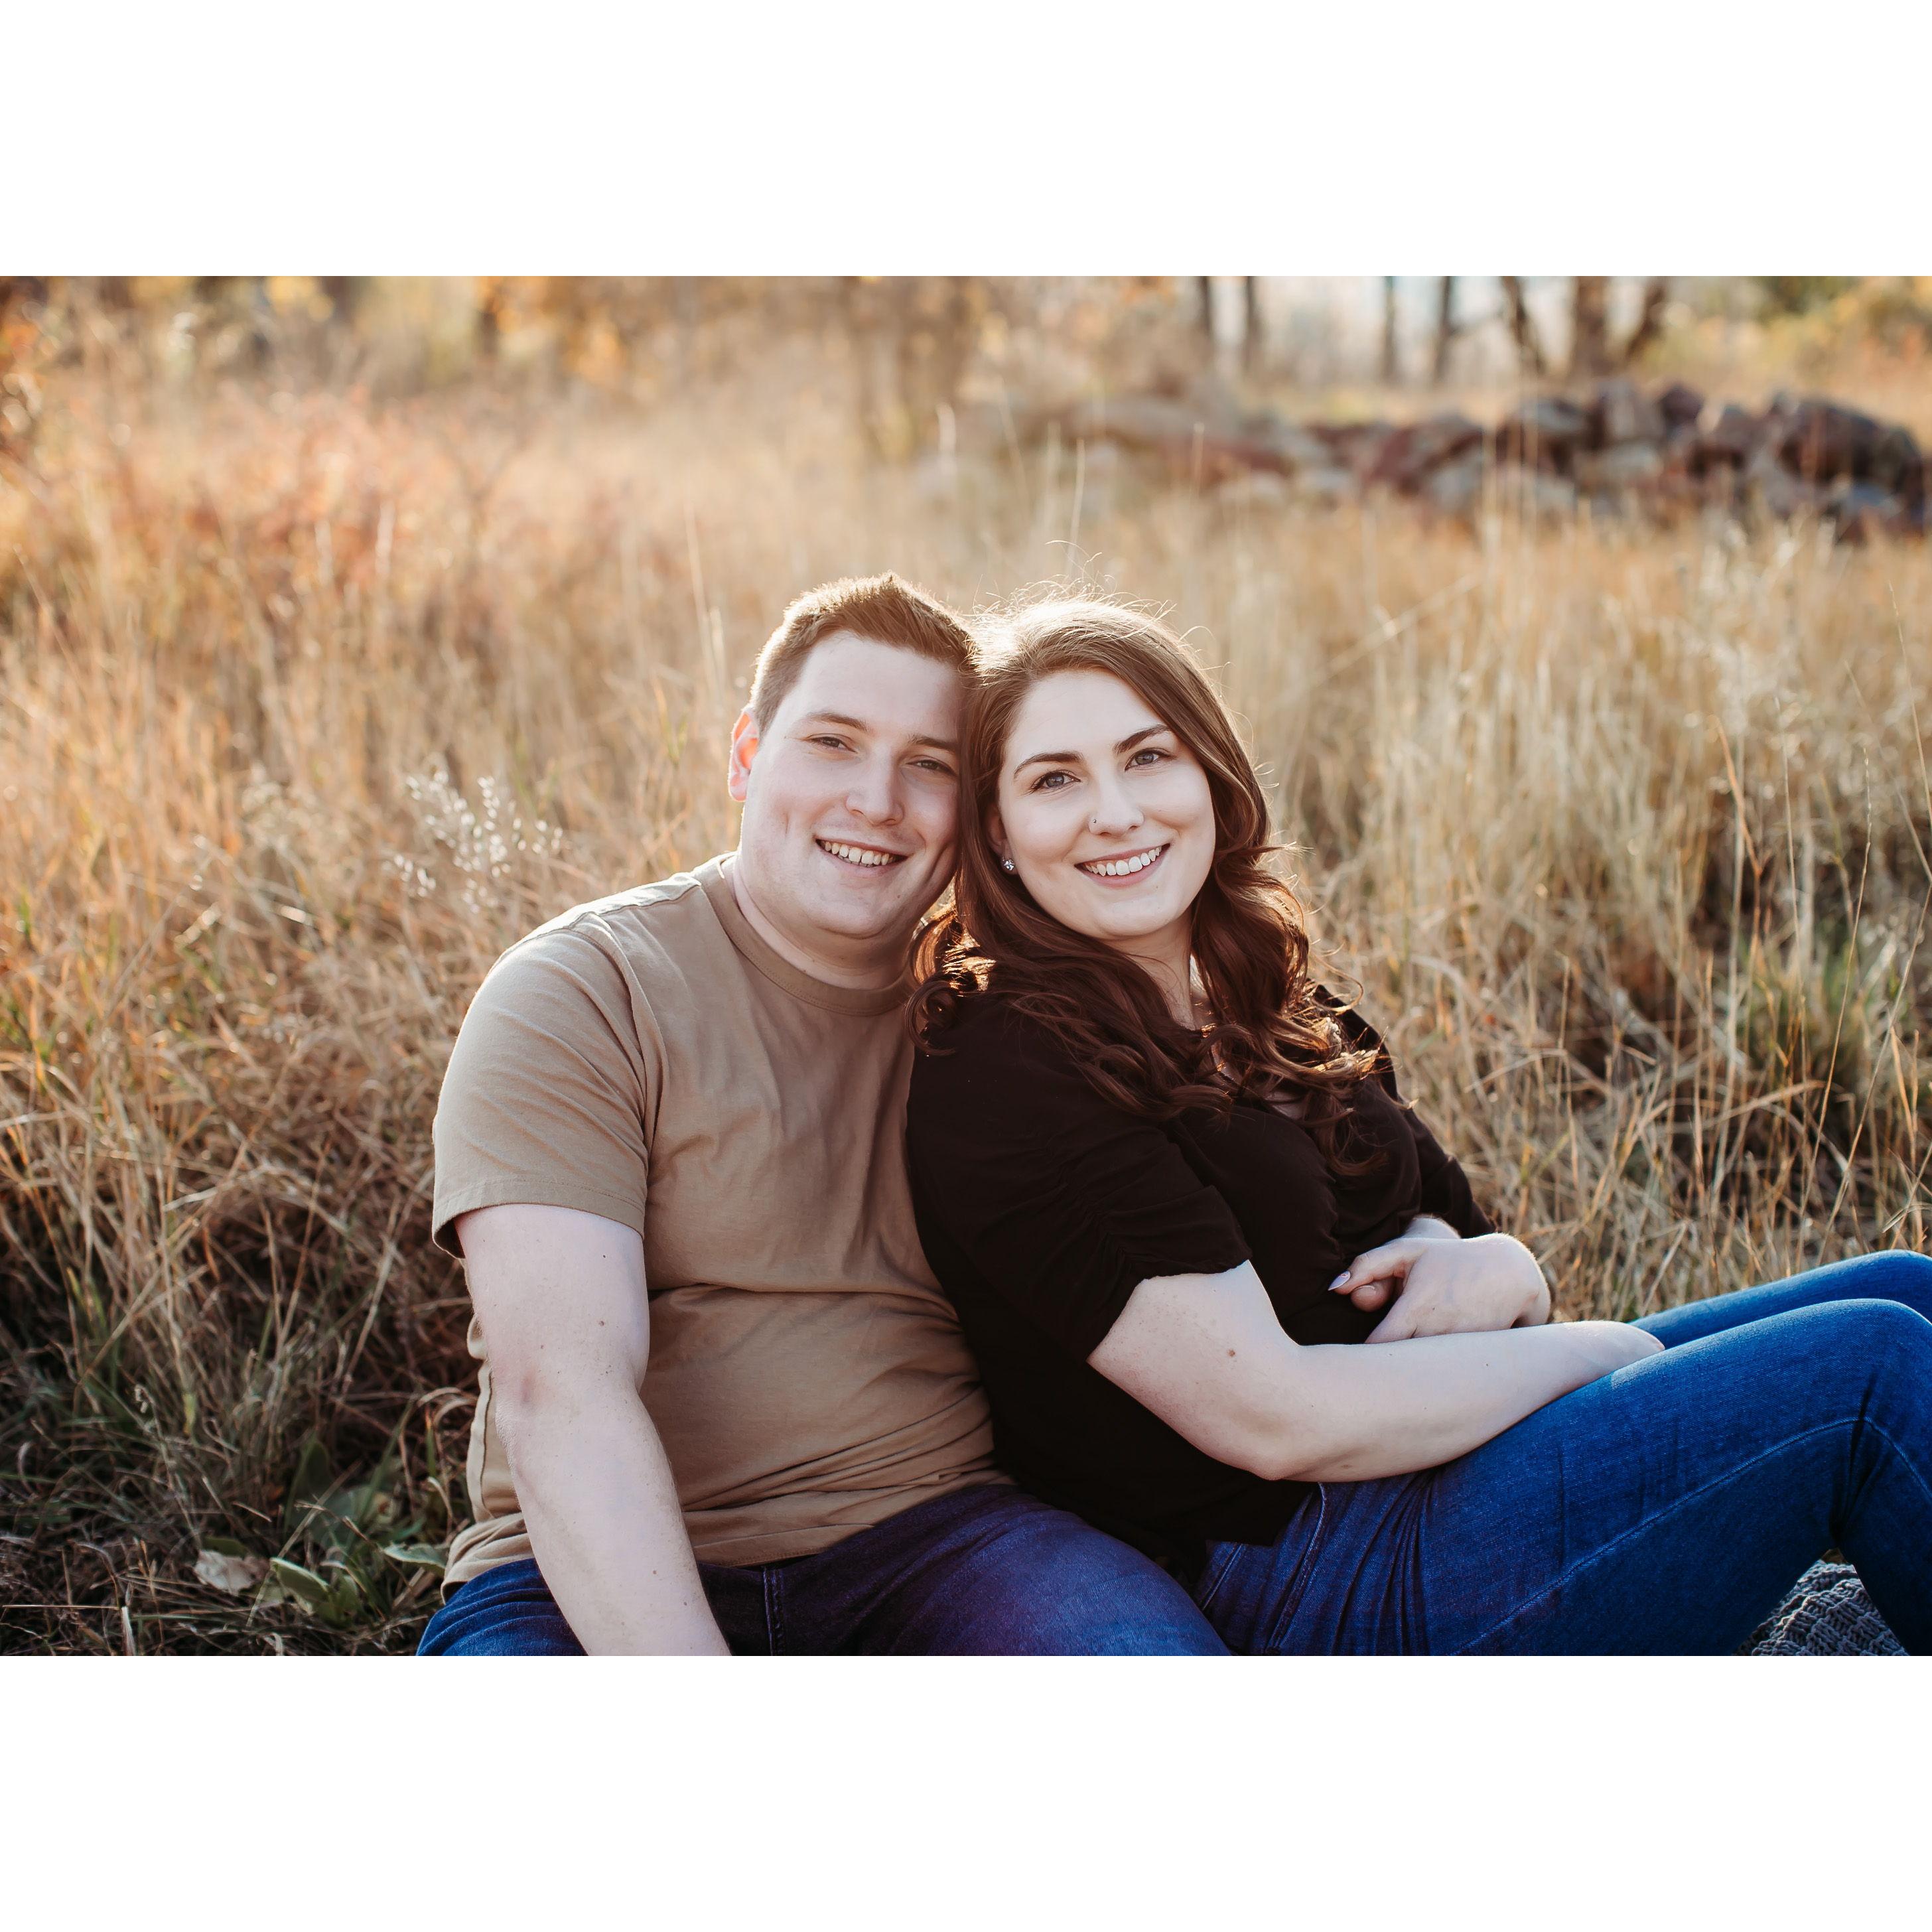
(837, 744)
(938, 765)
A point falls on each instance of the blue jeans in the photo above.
(989, 1571)
(1663, 1510)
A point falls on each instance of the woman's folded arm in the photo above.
(1206, 1353)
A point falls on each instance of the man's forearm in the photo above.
(602, 1506)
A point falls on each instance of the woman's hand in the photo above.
(1449, 1287)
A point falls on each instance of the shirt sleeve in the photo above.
(1063, 1204)
(550, 1089)
(1445, 1188)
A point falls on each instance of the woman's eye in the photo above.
(1051, 782)
(1152, 753)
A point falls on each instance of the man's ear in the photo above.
(744, 749)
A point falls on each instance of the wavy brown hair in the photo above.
(1274, 1033)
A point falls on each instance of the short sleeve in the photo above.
(550, 1089)
(1445, 1188)
(1062, 1204)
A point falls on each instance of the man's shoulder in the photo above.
(652, 923)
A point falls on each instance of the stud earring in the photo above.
(1009, 865)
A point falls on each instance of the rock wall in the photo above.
(1619, 450)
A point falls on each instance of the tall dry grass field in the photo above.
(308, 708)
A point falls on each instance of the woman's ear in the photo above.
(996, 834)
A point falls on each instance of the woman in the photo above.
(1170, 1184)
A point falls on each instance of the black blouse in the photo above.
(1042, 1208)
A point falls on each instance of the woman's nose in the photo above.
(1115, 810)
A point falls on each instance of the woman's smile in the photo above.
(1122, 868)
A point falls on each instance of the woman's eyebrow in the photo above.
(1047, 758)
(1126, 744)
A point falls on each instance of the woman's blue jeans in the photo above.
(1664, 1510)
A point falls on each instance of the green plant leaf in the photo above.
(344, 1603)
(303, 1586)
(310, 1482)
(422, 1555)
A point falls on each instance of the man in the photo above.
(724, 1405)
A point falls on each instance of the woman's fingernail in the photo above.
(1338, 1280)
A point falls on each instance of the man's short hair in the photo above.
(881, 608)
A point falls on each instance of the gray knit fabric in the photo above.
(1827, 1614)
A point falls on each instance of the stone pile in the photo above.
(1617, 450)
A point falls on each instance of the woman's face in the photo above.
(1105, 813)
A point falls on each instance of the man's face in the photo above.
(849, 794)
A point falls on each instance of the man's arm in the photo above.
(1208, 1355)
(562, 1299)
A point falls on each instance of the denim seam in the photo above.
(774, 1595)
(1303, 1571)
(1597, 1556)
(1220, 1576)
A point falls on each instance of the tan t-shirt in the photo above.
(648, 1058)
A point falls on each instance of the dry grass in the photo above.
(1625, 833)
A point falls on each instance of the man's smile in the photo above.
(863, 858)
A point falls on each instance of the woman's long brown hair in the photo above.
(1272, 1036)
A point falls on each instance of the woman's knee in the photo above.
(1901, 1275)
(1880, 1347)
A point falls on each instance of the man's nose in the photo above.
(874, 794)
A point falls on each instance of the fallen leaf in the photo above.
(232, 1573)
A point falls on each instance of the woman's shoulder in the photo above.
(985, 1035)
(990, 1055)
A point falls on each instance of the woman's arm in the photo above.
(1208, 1355)
(1446, 1286)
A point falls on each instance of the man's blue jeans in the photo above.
(1663, 1510)
(989, 1571)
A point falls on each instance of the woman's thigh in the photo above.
(1899, 1275)
(1665, 1509)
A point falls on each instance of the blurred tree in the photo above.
(1650, 323)
(1523, 327)
(1447, 328)
(1590, 325)
(1391, 368)
(1251, 323)
(1591, 350)
(912, 338)
(343, 294)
